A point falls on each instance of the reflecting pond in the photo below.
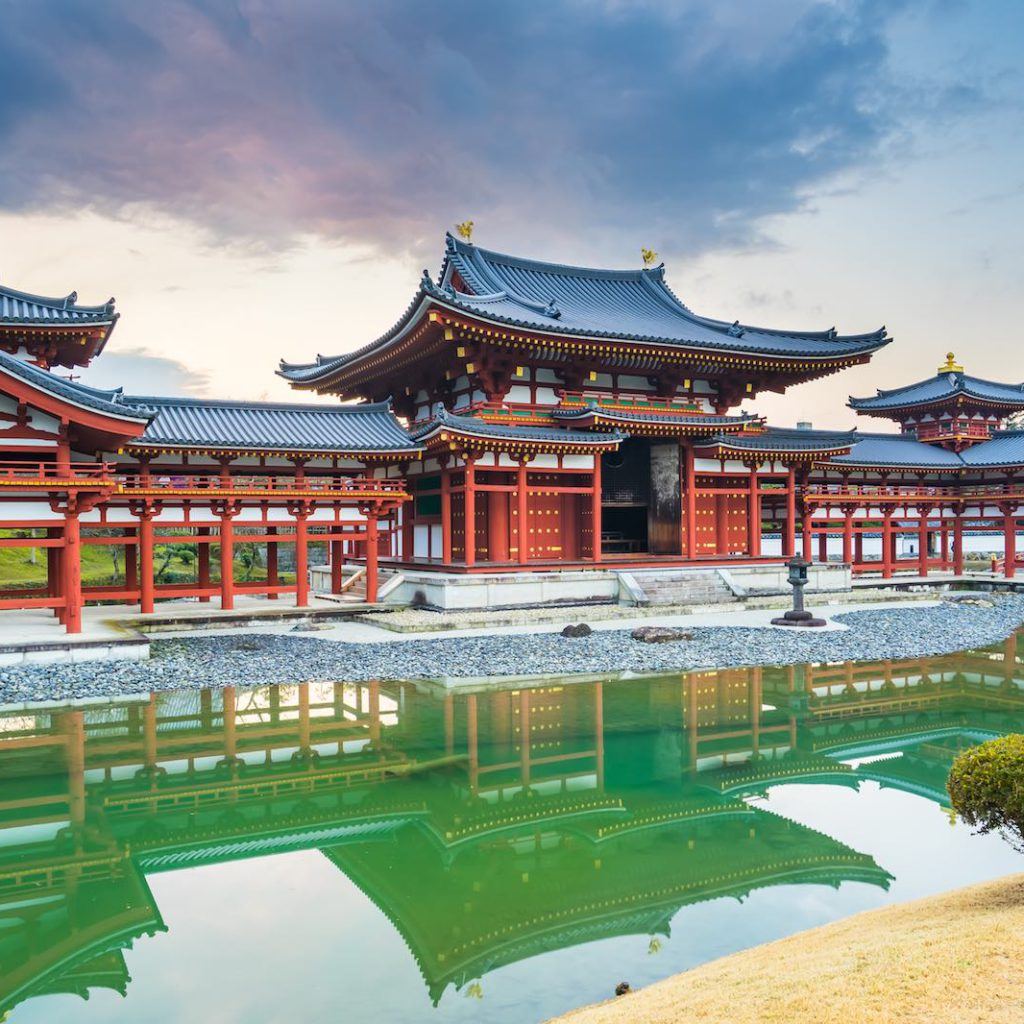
(399, 852)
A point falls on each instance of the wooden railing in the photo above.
(51, 473)
(336, 484)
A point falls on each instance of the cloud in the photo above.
(379, 123)
(141, 373)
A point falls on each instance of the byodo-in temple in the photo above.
(525, 432)
(489, 826)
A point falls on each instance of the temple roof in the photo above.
(111, 402)
(261, 426)
(24, 308)
(555, 299)
(1006, 448)
(511, 431)
(943, 387)
(786, 439)
(896, 450)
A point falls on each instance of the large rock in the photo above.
(660, 635)
(580, 629)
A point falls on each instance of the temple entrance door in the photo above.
(640, 498)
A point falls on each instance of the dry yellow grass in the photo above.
(948, 959)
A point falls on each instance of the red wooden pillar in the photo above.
(131, 561)
(944, 540)
(789, 530)
(690, 497)
(922, 541)
(721, 524)
(887, 543)
(273, 579)
(523, 513)
(595, 507)
(858, 547)
(753, 516)
(497, 526)
(848, 536)
(302, 558)
(958, 544)
(446, 516)
(204, 561)
(146, 588)
(72, 573)
(1009, 545)
(823, 543)
(227, 561)
(469, 506)
(371, 556)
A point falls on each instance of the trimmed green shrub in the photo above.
(986, 787)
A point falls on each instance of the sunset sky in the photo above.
(254, 180)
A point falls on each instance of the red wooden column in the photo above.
(823, 542)
(273, 579)
(72, 572)
(204, 561)
(721, 524)
(227, 560)
(1009, 543)
(595, 507)
(301, 512)
(371, 555)
(689, 539)
(789, 530)
(958, 542)
(522, 513)
(446, 515)
(146, 584)
(887, 539)
(922, 541)
(469, 513)
(944, 538)
(848, 535)
(753, 515)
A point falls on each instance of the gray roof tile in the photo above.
(510, 431)
(939, 388)
(631, 305)
(24, 308)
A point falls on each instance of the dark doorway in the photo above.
(640, 498)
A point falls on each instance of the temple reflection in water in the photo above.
(488, 826)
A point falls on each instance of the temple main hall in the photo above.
(526, 432)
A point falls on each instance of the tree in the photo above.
(986, 787)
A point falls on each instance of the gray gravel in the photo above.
(259, 659)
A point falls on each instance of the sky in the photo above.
(260, 179)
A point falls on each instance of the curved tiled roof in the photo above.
(511, 431)
(787, 439)
(110, 402)
(24, 308)
(939, 388)
(895, 450)
(197, 422)
(1005, 449)
(554, 299)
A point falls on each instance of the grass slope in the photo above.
(946, 959)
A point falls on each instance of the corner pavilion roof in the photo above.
(110, 402)
(944, 387)
(895, 450)
(24, 308)
(786, 440)
(273, 426)
(555, 299)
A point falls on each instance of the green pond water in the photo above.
(396, 852)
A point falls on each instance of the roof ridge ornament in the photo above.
(736, 329)
(950, 365)
(650, 257)
(71, 299)
(465, 230)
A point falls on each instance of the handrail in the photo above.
(24, 470)
(335, 484)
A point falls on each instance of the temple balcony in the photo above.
(214, 485)
(52, 476)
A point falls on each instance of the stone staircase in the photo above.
(674, 587)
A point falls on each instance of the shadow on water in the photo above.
(490, 828)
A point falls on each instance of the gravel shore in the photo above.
(259, 659)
